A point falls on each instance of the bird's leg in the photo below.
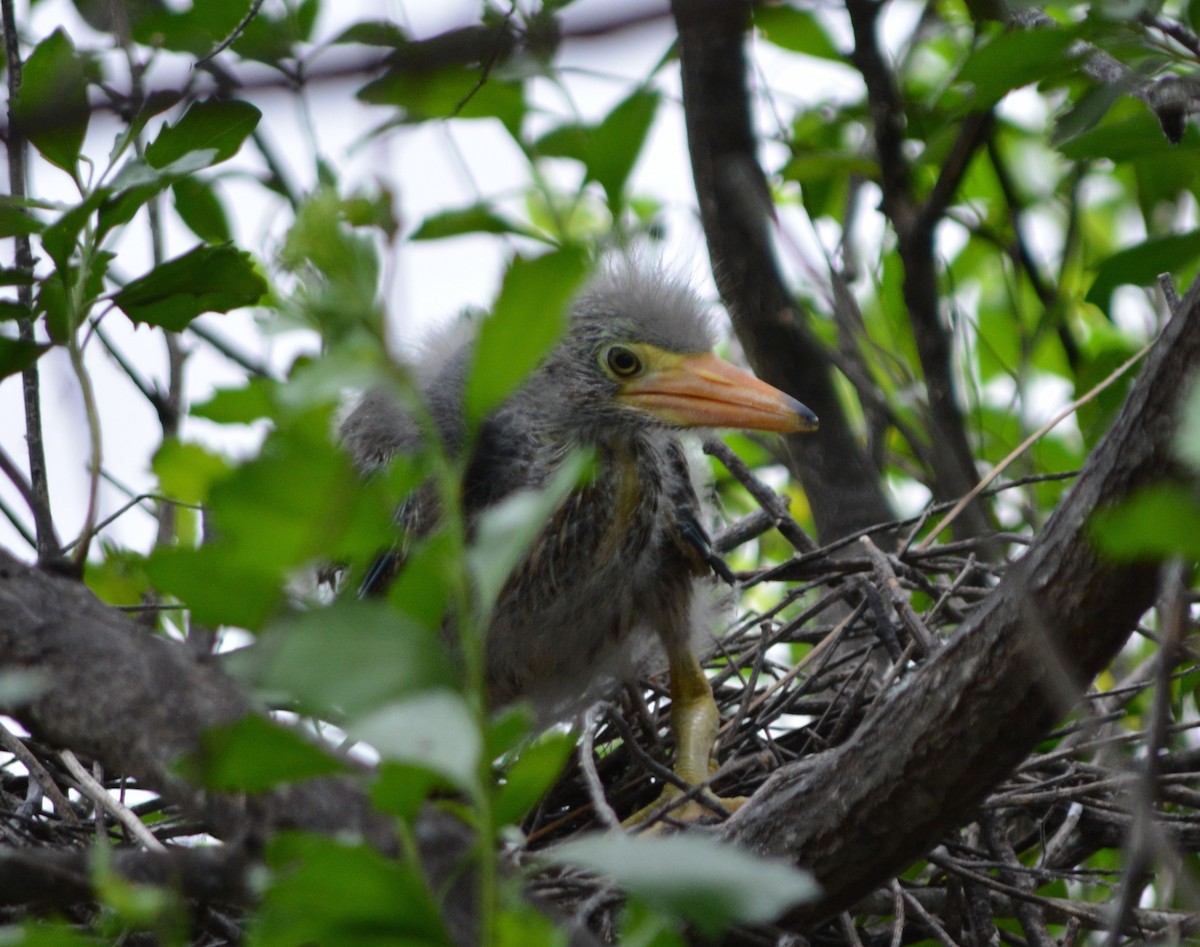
(694, 722)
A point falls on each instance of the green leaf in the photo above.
(531, 776)
(334, 892)
(478, 218)
(435, 730)
(218, 589)
(400, 789)
(198, 206)
(1139, 265)
(16, 221)
(450, 92)
(795, 30)
(528, 318)
(352, 657)
(373, 33)
(253, 755)
(186, 472)
(1015, 59)
(711, 884)
(205, 279)
(239, 405)
(1153, 523)
(618, 141)
(218, 125)
(16, 355)
(52, 107)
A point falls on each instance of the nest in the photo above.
(1094, 826)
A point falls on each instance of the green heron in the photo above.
(620, 560)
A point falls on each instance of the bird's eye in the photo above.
(623, 362)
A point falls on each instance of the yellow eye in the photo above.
(623, 362)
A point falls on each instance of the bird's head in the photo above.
(639, 351)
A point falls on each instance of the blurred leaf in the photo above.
(796, 30)
(1014, 59)
(373, 33)
(119, 578)
(298, 501)
(1153, 523)
(1140, 265)
(348, 658)
(52, 107)
(16, 221)
(205, 279)
(435, 730)
(254, 755)
(709, 883)
(239, 405)
(618, 141)
(531, 776)
(186, 472)
(528, 318)
(198, 206)
(506, 530)
(219, 125)
(1087, 111)
(333, 892)
(217, 588)
(448, 92)
(400, 789)
(478, 218)
(17, 355)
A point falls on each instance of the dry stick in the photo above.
(43, 520)
(101, 796)
(10, 742)
(767, 498)
(1033, 438)
(587, 763)
(887, 577)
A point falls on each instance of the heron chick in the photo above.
(620, 560)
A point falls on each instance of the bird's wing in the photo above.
(685, 526)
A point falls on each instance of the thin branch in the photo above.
(1032, 439)
(103, 798)
(43, 519)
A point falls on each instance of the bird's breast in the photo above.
(572, 601)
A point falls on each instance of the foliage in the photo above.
(1063, 208)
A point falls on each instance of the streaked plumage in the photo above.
(619, 560)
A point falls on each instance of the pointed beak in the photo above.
(705, 391)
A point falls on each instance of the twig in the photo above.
(587, 763)
(886, 576)
(103, 798)
(232, 38)
(38, 772)
(767, 498)
(43, 519)
(1030, 441)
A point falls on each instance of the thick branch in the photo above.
(735, 208)
(924, 759)
(136, 702)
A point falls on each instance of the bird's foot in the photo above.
(676, 806)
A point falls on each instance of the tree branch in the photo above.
(843, 488)
(924, 758)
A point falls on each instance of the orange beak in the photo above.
(705, 391)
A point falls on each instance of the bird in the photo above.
(623, 560)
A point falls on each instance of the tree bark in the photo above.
(925, 757)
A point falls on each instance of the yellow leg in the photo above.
(694, 721)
